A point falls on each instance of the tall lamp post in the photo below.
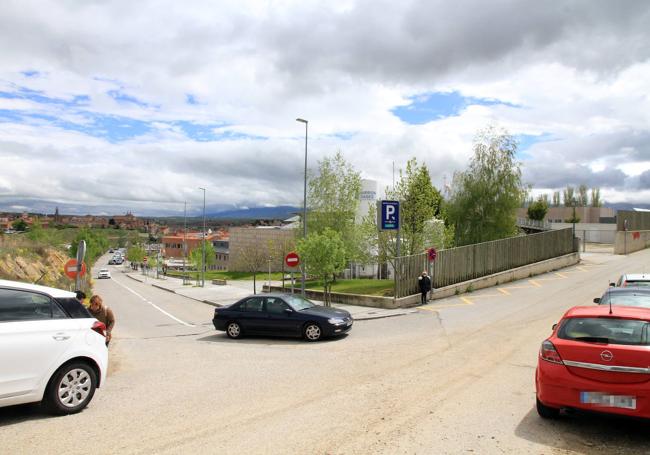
(304, 202)
(203, 243)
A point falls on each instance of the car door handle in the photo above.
(60, 336)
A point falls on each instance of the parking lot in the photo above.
(457, 376)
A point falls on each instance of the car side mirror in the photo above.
(288, 311)
(554, 327)
(597, 300)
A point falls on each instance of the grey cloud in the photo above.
(561, 174)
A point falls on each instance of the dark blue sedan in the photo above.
(281, 314)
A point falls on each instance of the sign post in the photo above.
(81, 253)
(388, 214)
(432, 254)
(292, 260)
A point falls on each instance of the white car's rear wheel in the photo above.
(71, 388)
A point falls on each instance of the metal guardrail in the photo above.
(534, 224)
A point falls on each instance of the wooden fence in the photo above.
(456, 265)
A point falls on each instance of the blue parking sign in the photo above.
(389, 212)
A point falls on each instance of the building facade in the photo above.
(260, 248)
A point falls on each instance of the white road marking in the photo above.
(154, 305)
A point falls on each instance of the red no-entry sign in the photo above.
(292, 259)
(432, 253)
(70, 269)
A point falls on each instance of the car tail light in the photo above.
(549, 353)
(100, 328)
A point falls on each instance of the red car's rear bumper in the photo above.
(558, 388)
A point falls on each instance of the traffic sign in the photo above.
(292, 259)
(432, 253)
(70, 269)
(388, 212)
(145, 259)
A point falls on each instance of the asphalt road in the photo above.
(456, 377)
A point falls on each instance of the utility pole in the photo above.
(203, 243)
(304, 204)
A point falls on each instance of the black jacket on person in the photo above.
(425, 283)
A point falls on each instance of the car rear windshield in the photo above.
(640, 283)
(74, 309)
(606, 330)
(640, 299)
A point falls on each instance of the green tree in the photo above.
(324, 257)
(333, 197)
(484, 198)
(583, 197)
(36, 232)
(595, 198)
(556, 199)
(538, 209)
(421, 213)
(19, 225)
(569, 195)
(196, 256)
(96, 244)
(135, 253)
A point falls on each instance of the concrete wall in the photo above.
(631, 241)
(488, 281)
(586, 214)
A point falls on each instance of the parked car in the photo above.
(51, 349)
(281, 314)
(103, 273)
(628, 296)
(596, 361)
(632, 279)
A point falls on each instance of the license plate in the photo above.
(610, 401)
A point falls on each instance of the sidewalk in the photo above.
(220, 295)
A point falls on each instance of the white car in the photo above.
(51, 349)
(103, 273)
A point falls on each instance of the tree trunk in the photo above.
(254, 283)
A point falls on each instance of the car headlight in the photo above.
(336, 321)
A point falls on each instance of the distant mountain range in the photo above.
(281, 212)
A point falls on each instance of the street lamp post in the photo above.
(304, 202)
(203, 243)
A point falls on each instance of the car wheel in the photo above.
(547, 412)
(313, 331)
(233, 330)
(70, 389)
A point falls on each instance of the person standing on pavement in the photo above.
(424, 282)
(103, 314)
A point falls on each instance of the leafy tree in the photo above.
(595, 198)
(484, 198)
(96, 244)
(196, 256)
(569, 196)
(251, 258)
(136, 253)
(36, 232)
(324, 256)
(583, 198)
(538, 209)
(333, 197)
(556, 199)
(19, 225)
(421, 210)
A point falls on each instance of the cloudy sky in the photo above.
(132, 105)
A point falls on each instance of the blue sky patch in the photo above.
(30, 73)
(123, 98)
(191, 99)
(434, 106)
(526, 141)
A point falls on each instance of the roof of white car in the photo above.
(53, 292)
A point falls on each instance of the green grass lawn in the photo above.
(225, 275)
(362, 287)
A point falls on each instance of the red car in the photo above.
(597, 359)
